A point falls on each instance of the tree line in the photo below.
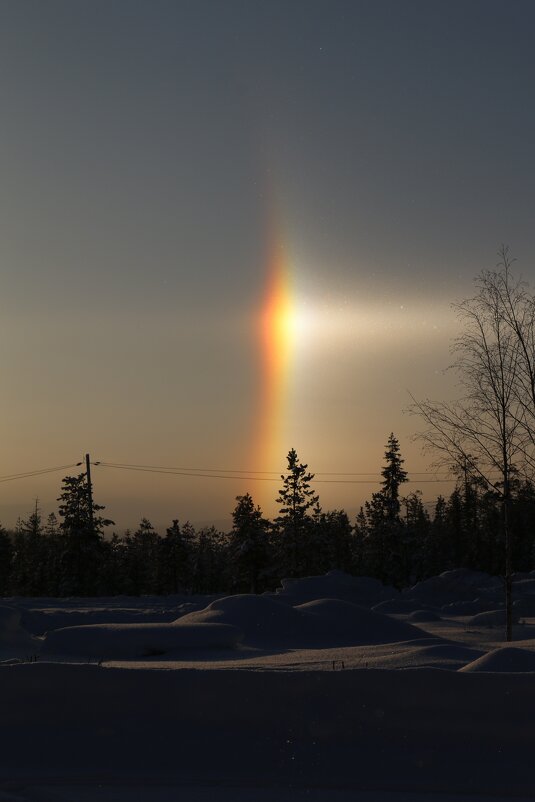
(486, 436)
(393, 538)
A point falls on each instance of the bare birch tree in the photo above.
(490, 429)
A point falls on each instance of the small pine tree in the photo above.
(52, 525)
(82, 534)
(142, 551)
(414, 540)
(333, 543)
(29, 559)
(176, 558)
(296, 496)
(393, 476)
(6, 556)
(211, 568)
(248, 543)
(381, 536)
(299, 507)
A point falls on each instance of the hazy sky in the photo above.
(151, 153)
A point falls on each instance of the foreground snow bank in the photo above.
(424, 731)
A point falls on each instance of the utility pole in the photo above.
(89, 491)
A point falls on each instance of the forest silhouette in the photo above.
(485, 438)
(393, 538)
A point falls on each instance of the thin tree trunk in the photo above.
(508, 570)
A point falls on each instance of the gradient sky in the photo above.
(155, 156)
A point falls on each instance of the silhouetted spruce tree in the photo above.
(28, 571)
(438, 540)
(141, 557)
(176, 559)
(211, 573)
(53, 546)
(414, 540)
(393, 477)
(51, 528)
(382, 544)
(248, 546)
(331, 543)
(360, 543)
(113, 566)
(455, 523)
(376, 535)
(299, 508)
(81, 539)
(6, 556)
(467, 530)
(523, 525)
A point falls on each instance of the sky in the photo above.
(231, 228)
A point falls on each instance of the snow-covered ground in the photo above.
(306, 693)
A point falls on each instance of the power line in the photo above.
(222, 473)
(170, 472)
(240, 475)
(256, 478)
(41, 472)
(248, 471)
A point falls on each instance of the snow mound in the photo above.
(524, 607)
(117, 641)
(421, 616)
(397, 606)
(508, 658)
(261, 618)
(492, 618)
(334, 585)
(455, 586)
(13, 636)
(524, 587)
(321, 623)
(346, 622)
(450, 651)
(9, 619)
(469, 607)
(45, 619)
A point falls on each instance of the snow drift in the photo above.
(508, 658)
(313, 625)
(13, 637)
(334, 584)
(116, 641)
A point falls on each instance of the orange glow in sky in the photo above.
(277, 341)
